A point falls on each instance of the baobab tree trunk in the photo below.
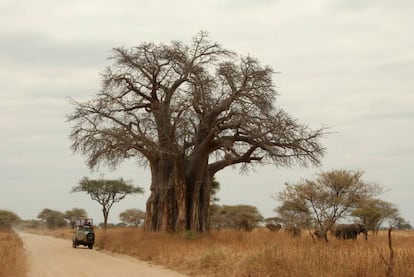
(178, 201)
(166, 204)
(198, 198)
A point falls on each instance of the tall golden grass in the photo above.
(12, 254)
(261, 253)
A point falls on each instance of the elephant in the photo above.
(274, 227)
(350, 231)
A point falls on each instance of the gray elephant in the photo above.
(274, 227)
(350, 231)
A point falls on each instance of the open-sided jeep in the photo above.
(83, 234)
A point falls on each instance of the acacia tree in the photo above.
(294, 211)
(52, 218)
(44, 214)
(107, 192)
(132, 217)
(374, 212)
(72, 215)
(400, 223)
(321, 202)
(187, 111)
(241, 217)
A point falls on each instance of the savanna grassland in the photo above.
(12, 254)
(261, 252)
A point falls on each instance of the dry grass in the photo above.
(12, 254)
(261, 253)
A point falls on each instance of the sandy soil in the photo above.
(50, 256)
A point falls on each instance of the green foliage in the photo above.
(72, 215)
(132, 217)
(107, 192)
(294, 210)
(8, 219)
(55, 219)
(52, 218)
(75, 212)
(373, 213)
(44, 214)
(101, 190)
(241, 217)
(400, 223)
(321, 202)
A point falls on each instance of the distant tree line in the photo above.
(55, 219)
(319, 203)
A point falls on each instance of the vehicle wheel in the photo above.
(90, 237)
(90, 246)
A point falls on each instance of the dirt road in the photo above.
(50, 256)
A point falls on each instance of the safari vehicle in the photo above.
(83, 234)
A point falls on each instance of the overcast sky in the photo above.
(347, 64)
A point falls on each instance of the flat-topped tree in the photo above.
(106, 192)
(187, 111)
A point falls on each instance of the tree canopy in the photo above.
(44, 214)
(8, 219)
(107, 192)
(73, 214)
(374, 212)
(132, 217)
(52, 218)
(321, 202)
(241, 217)
(188, 111)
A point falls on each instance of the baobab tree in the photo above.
(186, 112)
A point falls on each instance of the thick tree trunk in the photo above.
(178, 201)
(198, 200)
(166, 205)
